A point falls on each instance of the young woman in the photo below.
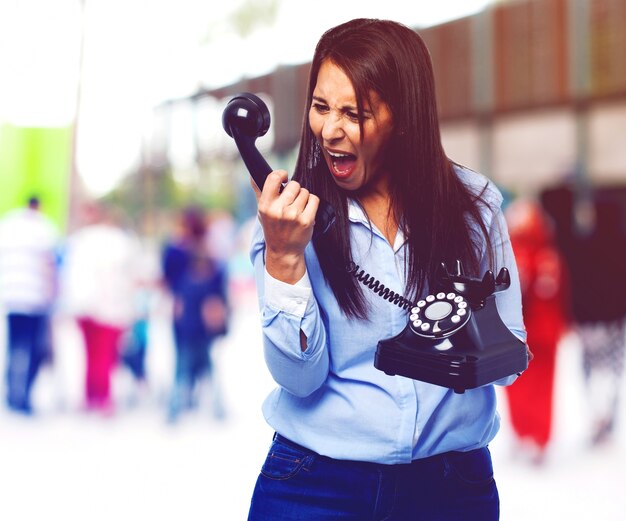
(352, 442)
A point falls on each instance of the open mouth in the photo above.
(342, 163)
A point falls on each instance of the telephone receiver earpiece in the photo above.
(245, 118)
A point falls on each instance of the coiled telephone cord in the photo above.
(375, 285)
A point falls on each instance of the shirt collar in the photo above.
(357, 215)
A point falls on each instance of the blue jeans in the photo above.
(27, 344)
(193, 361)
(298, 484)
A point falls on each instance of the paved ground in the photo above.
(68, 465)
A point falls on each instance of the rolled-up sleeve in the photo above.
(285, 311)
(509, 301)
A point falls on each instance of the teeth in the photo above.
(335, 154)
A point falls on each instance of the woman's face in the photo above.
(333, 117)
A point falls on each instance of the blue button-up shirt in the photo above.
(330, 398)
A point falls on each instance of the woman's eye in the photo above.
(320, 107)
(353, 116)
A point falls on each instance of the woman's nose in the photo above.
(333, 128)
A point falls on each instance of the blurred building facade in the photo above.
(530, 93)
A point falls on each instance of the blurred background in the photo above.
(130, 343)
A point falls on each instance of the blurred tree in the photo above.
(35, 161)
(253, 14)
(143, 196)
(244, 20)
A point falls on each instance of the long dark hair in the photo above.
(434, 209)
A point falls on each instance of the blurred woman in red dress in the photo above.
(544, 299)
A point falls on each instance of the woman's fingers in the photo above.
(304, 206)
(287, 212)
(272, 186)
(290, 192)
(310, 211)
(275, 180)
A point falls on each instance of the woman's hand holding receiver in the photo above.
(287, 217)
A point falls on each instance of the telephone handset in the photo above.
(245, 118)
(455, 337)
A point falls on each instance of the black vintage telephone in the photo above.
(455, 337)
(245, 118)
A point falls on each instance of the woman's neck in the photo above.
(377, 206)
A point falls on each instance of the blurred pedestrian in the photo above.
(543, 282)
(599, 308)
(99, 283)
(28, 241)
(197, 283)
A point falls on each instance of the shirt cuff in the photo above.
(290, 298)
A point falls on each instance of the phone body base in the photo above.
(482, 351)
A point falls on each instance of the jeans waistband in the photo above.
(417, 462)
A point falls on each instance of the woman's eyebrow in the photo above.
(345, 108)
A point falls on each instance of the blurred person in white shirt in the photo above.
(99, 280)
(28, 241)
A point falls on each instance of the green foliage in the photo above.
(35, 161)
(144, 196)
(253, 14)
